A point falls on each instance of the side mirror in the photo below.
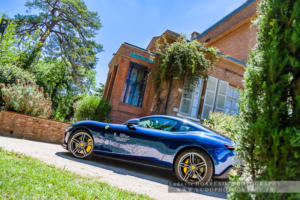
(132, 123)
(131, 126)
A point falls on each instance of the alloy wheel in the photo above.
(192, 168)
(81, 144)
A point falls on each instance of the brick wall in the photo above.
(32, 128)
(225, 26)
(238, 42)
(225, 69)
(121, 112)
(234, 37)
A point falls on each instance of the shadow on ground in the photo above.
(145, 172)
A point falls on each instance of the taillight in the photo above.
(230, 147)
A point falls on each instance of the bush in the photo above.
(225, 124)
(270, 104)
(27, 98)
(92, 108)
(9, 74)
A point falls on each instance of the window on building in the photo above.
(232, 100)
(135, 85)
(219, 97)
(190, 99)
(210, 96)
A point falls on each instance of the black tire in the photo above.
(199, 171)
(81, 144)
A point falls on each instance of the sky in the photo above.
(137, 21)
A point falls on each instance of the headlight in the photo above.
(69, 128)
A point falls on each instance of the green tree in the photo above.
(98, 91)
(56, 78)
(8, 48)
(12, 48)
(268, 143)
(66, 29)
(182, 59)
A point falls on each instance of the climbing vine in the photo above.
(180, 59)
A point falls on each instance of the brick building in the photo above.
(129, 86)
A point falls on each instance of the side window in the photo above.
(185, 127)
(146, 123)
(159, 124)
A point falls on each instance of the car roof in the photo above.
(186, 121)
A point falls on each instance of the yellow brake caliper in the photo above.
(185, 168)
(89, 147)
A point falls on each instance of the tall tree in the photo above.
(268, 144)
(66, 29)
(12, 48)
(56, 78)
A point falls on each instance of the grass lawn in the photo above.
(23, 177)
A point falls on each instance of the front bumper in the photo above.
(65, 146)
(66, 139)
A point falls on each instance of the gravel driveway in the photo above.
(140, 179)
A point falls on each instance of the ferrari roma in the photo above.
(193, 152)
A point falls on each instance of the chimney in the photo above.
(194, 35)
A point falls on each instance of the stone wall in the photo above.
(33, 128)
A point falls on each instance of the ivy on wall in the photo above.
(179, 59)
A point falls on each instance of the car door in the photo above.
(114, 138)
(149, 139)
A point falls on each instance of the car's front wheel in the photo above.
(193, 167)
(81, 144)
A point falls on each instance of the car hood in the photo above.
(88, 122)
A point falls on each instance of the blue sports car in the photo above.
(193, 152)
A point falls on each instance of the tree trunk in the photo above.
(33, 55)
(168, 96)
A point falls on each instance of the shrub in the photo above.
(270, 104)
(225, 124)
(27, 98)
(92, 108)
(9, 74)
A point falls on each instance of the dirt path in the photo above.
(140, 179)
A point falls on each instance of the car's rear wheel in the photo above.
(193, 167)
(81, 144)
